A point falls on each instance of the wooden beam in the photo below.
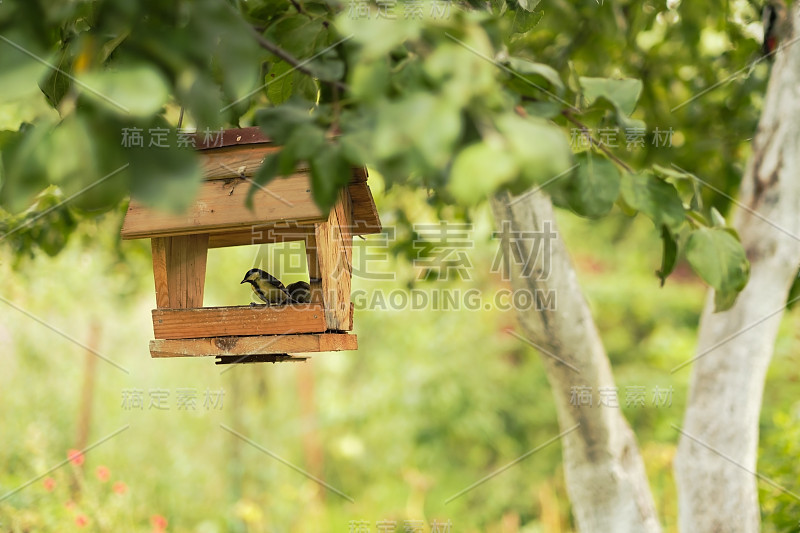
(239, 321)
(266, 234)
(179, 270)
(253, 345)
(220, 208)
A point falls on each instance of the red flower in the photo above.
(102, 473)
(75, 457)
(119, 487)
(82, 520)
(49, 484)
(159, 523)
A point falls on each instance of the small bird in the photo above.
(300, 292)
(266, 286)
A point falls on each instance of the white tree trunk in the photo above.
(604, 471)
(716, 458)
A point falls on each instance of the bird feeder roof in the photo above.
(229, 159)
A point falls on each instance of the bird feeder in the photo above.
(282, 211)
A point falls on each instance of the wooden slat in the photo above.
(179, 270)
(262, 235)
(238, 321)
(220, 208)
(344, 216)
(333, 240)
(193, 268)
(235, 161)
(253, 345)
(159, 247)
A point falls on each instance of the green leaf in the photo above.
(280, 82)
(669, 255)
(58, 82)
(306, 141)
(719, 258)
(305, 86)
(297, 35)
(429, 124)
(594, 187)
(623, 94)
(669, 172)
(20, 73)
(266, 173)
(540, 148)
(203, 101)
(25, 155)
(528, 5)
(233, 52)
(355, 147)
(279, 122)
(525, 21)
(378, 35)
(543, 109)
(656, 198)
(478, 170)
(328, 67)
(716, 218)
(369, 81)
(329, 173)
(533, 71)
(164, 178)
(140, 91)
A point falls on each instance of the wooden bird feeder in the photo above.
(283, 211)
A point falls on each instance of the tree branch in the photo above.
(294, 62)
(594, 142)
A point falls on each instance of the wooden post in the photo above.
(334, 246)
(179, 270)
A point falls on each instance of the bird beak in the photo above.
(243, 281)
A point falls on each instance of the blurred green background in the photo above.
(431, 402)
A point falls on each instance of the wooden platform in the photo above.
(253, 345)
(199, 322)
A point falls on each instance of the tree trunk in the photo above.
(605, 475)
(716, 460)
